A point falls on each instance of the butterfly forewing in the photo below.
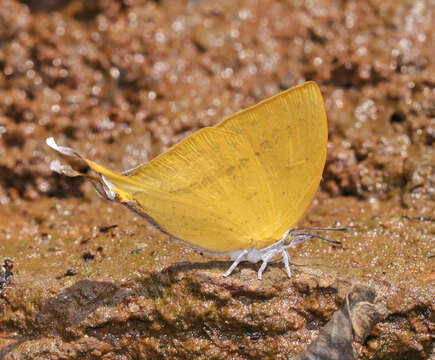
(207, 190)
(288, 135)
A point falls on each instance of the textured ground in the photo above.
(124, 80)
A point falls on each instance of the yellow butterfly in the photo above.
(235, 188)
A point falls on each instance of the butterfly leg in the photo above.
(285, 259)
(261, 269)
(265, 259)
(236, 262)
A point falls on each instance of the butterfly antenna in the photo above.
(315, 236)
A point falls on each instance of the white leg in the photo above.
(236, 262)
(261, 269)
(264, 264)
(286, 263)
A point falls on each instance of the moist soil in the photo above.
(122, 81)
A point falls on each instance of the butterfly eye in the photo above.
(287, 240)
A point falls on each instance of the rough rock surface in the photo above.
(122, 81)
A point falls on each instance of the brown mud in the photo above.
(122, 81)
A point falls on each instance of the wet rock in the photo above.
(188, 309)
(138, 77)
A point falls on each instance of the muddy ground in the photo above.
(122, 81)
